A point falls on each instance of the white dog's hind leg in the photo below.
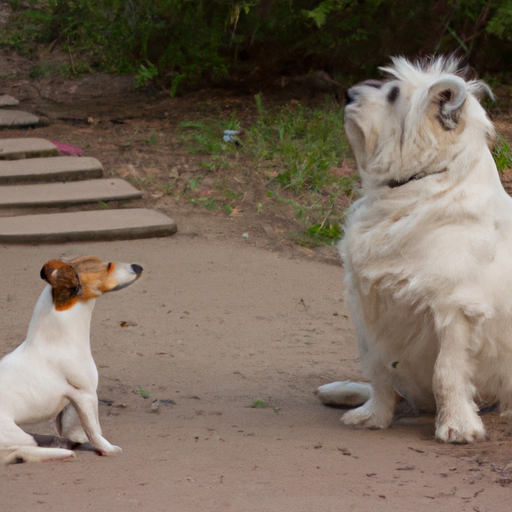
(378, 411)
(18, 446)
(457, 420)
(345, 393)
(35, 454)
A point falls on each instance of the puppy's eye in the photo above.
(393, 94)
(110, 266)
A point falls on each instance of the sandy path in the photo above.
(220, 325)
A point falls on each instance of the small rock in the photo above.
(155, 405)
(127, 323)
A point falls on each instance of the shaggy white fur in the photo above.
(428, 251)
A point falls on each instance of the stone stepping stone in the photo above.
(7, 101)
(17, 119)
(56, 194)
(15, 149)
(94, 225)
(59, 168)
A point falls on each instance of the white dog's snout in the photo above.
(352, 93)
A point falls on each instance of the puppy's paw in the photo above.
(460, 429)
(111, 451)
(369, 415)
(345, 393)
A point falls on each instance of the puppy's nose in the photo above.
(137, 269)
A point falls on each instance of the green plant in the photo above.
(208, 203)
(152, 140)
(176, 81)
(168, 188)
(75, 68)
(194, 183)
(145, 73)
(502, 154)
(228, 209)
(204, 137)
(259, 404)
(142, 392)
(302, 146)
(40, 70)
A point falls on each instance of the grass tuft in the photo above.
(502, 154)
(300, 152)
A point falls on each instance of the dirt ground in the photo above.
(229, 336)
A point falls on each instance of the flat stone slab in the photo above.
(59, 168)
(17, 119)
(7, 101)
(15, 149)
(95, 225)
(56, 194)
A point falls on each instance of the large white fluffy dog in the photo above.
(427, 252)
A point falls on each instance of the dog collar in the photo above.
(418, 176)
(398, 183)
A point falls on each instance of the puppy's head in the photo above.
(86, 278)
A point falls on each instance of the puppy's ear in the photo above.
(64, 281)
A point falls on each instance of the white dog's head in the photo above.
(416, 122)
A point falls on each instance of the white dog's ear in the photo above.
(480, 89)
(450, 94)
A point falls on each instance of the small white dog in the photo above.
(52, 373)
(427, 252)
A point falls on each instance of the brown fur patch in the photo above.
(64, 282)
(94, 276)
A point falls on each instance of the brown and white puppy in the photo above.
(52, 373)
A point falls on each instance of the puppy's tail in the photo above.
(35, 454)
(345, 393)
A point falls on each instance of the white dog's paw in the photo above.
(369, 415)
(111, 450)
(460, 429)
(345, 393)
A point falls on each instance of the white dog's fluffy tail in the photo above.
(345, 393)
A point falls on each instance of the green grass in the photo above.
(297, 151)
(142, 392)
(502, 154)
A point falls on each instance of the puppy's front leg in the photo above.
(457, 420)
(86, 405)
